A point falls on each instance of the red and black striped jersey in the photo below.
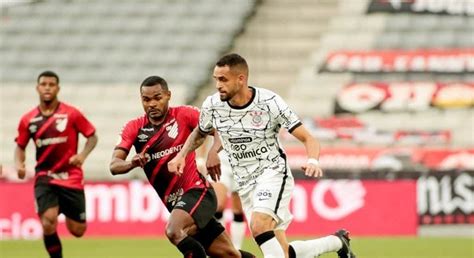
(163, 143)
(56, 139)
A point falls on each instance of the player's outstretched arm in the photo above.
(311, 144)
(78, 159)
(119, 164)
(20, 157)
(195, 139)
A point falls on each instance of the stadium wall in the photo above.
(368, 207)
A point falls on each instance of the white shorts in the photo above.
(227, 178)
(270, 195)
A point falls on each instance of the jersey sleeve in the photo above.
(205, 118)
(127, 136)
(192, 116)
(83, 125)
(285, 116)
(23, 133)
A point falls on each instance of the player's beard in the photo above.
(224, 97)
(49, 100)
(159, 116)
(227, 95)
(156, 116)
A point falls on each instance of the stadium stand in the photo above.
(136, 38)
(352, 29)
(278, 39)
(102, 50)
(287, 58)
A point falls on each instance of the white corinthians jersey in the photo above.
(250, 133)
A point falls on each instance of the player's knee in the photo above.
(258, 229)
(174, 234)
(260, 223)
(49, 224)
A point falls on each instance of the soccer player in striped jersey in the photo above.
(158, 136)
(54, 127)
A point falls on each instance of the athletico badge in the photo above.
(61, 124)
(172, 130)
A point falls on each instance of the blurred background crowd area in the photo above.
(385, 85)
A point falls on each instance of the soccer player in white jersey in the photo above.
(248, 120)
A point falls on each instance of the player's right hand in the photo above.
(176, 165)
(213, 165)
(312, 170)
(21, 172)
(140, 159)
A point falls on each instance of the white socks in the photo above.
(316, 247)
(237, 232)
(269, 245)
(272, 249)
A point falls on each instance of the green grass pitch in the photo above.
(159, 247)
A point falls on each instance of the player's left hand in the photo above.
(77, 160)
(213, 165)
(312, 170)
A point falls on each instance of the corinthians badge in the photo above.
(257, 120)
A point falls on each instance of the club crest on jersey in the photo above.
(257, 120)
(61, 124)
(172, 130)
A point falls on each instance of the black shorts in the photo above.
(201, 204)
(209, 233)
(71, 202)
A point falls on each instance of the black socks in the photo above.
(53, 245)
(189, 247)
(238, 217)
(218, 215)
